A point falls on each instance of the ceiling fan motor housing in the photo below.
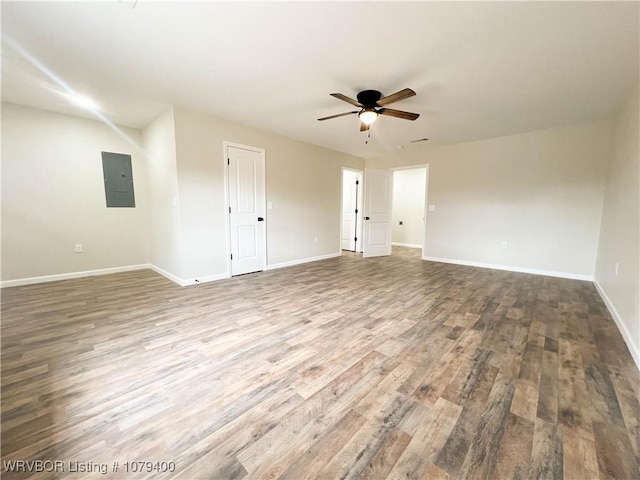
(369, 98)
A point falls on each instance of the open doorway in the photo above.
(409, 207)
(351, 217)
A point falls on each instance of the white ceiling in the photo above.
(480, 69)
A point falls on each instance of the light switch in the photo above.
(432, 208)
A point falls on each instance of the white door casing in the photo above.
(247, 220)
(377, 213)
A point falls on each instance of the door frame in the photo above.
(426, 200)
(225, 148)
(360, 199)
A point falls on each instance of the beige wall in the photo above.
(165, 237)
(303, 182)
(53, 196)
(619, 234)
(541, 192)
(408, 206)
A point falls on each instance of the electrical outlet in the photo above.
(617, 268)
(316, 240)
(504, 245)
(79, 248)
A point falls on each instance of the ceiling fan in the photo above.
(372, 104)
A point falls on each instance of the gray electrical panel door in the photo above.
(118, 179)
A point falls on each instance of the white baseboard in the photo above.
(68, 276)
(633, 349)
(534, 271)
(191, 281)
(207, 279)
(409, 245)
(212, 278)
(302, 260)
(167, 275)
(174, 278)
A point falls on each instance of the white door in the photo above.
(351, 210)
(377, 213)
(246, 210)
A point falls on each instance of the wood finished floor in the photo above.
(344, 368)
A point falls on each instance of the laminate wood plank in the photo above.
(390, 347)
(199, 424)
(579, 458)
(380, 395)
(573, 400)
(388, 367)
(514, 455)
(607, 339)
(426, 443)
(627, 388)
(546, 453)
(423, 359)
(510, 362)
(474, 372)
(536, 333)
(531, 366)
(498, 331)
(205, 457)
(415, 418)
(381, 463)
(424, 347)
(325, 448)
(603, 400)
(438, 377)
(435, 473)
(588, 349)
(461, 320)
(304, 422)
(455, 450)
(525, 401)
(548, 390)
(372, 447)
(615, 455)
(480, 462)
(318, 375)
(455, 332)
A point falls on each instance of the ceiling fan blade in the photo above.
(395, 97)
(398, 113)
(338, 115)
(364, 127)
(344, 98)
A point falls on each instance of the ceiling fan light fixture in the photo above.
(368, 116)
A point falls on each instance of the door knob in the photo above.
(260, 219)
(366, 218)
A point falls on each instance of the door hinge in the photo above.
(357, 182)
(232, 256)
(229, 209)
(355, 239)
(356, 210)
(228, 162)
